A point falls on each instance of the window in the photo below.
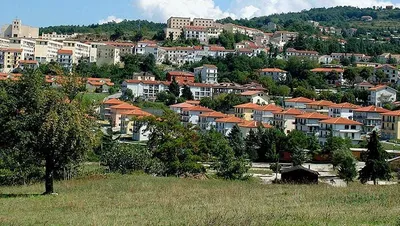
(346, 127)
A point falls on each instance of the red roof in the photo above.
(113, 101)
(182, 105)
(340, 121)
(372, 109)
(290, 111)
(231, 119)
(313, 115)
(270, 107)
(214, 114)
(136, 112)
(28, 62)
(124, 106)
(198, 108)
(250, 93)
(271, 70)
(180, 73)
(321, 103)
(194, 102)
(378, 87)
(248, 106)
(325, 70)
(10, 50)
(65, 51)
(345, 105)
(299, 100)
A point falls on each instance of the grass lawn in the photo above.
(97, 98)
(146, 200)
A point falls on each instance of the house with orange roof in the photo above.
(180, 76)
(207, 120)
(297, 102)
(192, 114)
(265, 113)
(391, 72)
(343, 110)
(321, 106)
(225, 125)
(247, 126)
(340, 127)
(308, 123)
(381, 95)
(255, 97)
(193, 102)
(98, 84)
(370, 117)
(133, 128)
(278, 75)
(246, 111)
(328, 71)
(363, 85)
(177, 108)
(105, 110)
(390, 127)
(116, 113)
(146, 89)
(285, 120)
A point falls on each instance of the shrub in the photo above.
(275, 167)
(232, 168)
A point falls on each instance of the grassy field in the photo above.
(147, 200)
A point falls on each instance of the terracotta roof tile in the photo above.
(345, 105)
(231, 119)
(340, 121)
(321, 103)
(392, 113)
(271, 70)
(124, 106)
(113, 101)
(214, 114)
(313, 115)
(250, 93)
(270, 107)
(248, 106)
(182, 105)
(291, 111)
(198, 108)
(372, 109)
(254, 124)
(299, 100)
(136, 112)
(326, 70)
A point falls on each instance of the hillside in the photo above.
(341, 17)
(148, 200)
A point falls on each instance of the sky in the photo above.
(84, 12)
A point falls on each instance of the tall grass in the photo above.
(146, 200)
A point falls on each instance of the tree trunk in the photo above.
(375, 182)
(49, 175)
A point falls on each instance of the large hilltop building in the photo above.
(17, 30)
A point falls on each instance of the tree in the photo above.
(380, 75)
(299, 157)
(231, 167)
(149, 63)
(236, 141)
(166, 97)
(347, 168)
(212, 144)
(365, 73)
(118, 33)
(127, 95)
(45, 124)
(187, 93)
(376, 166)
(174, 87)
(350, 75)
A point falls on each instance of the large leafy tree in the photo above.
(376, 166)
(236, 141)
(43, 123)
(174, 87)
(186, 93)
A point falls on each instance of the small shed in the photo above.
(299, 175)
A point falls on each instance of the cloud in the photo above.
(161, 10)
(110, 19)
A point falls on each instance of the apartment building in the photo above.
(312, 55)
(225, 125)
(4, 43)
(65, 58)
(93, 50)
(125, 47)
(340, 127)
(208, 120)
(17, 30)
(255, 97)
(174, 33)
(46, 50)
(144, 88)
(192, 114)
(342, 110)
(177, 108)
(108, 55)
(276, 74)
(27, 45)
(382, 94)
(280, 38)
(390, 127)
(200, 90)
(334, 80)
(308, 123)
(266, 113)
(58, 37)
(117, 111)
(180, 76)
(207, 73)
(391, 72)
(81, 51)
(246, 111)
(98, 84)
(129, 126)
(9, 59)
(370, 117)
(214, 32)
(176, 55)
(285, 120)
(195, 32)
(105, 110)
(200, 22)
(178, 22)
(298, 102)
(321, 106)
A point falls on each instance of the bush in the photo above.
(276, 168)
(232, 168)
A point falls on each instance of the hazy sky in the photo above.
(84, 12)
